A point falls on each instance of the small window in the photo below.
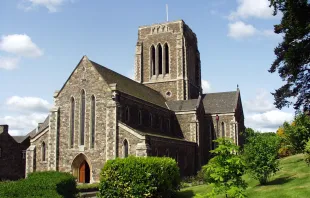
(72, 122)
(167, 153)
(160, 59)
(156, 152)
(161, 125)
(223, 129)
(166, 51)
(177, 157)
(140, 117)
(127, 114)
(43, 150)
(0, 152)
(82, 118)
(125, 148)
(151, 120)
(23, 154)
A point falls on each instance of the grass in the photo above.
(292, 181)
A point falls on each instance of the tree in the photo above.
(297, 134)
(285, 149)
(260, 154)
(293, 53)
(249, 132)
(225, 170)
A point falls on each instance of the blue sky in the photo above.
(41, 42)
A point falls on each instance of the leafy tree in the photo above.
(285, 149)
(297, 134)
(249, 132)
(225, 170)
(293, 53)
(307, 152)
(260, 154)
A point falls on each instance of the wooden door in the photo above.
(82, 173)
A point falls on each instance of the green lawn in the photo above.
(293, 181)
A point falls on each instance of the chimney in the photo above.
(4, 128)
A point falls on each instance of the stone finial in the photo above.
(56, 93)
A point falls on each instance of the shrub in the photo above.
(307, 152)
(88, 187)
(139, 177)
(224, 171)
(261, 156)
(41, 184)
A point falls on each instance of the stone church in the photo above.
(99, 114)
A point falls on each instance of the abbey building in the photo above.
(99, 114)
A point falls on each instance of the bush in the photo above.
(41, 184)
(307, 153)
(139, 177)
(88, 187)
(261, 156)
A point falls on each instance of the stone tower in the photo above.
(167, 60)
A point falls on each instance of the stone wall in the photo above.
(12, 163)
(40, 164)
(86, 78)
(183, 152)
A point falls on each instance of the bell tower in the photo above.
(167, 60)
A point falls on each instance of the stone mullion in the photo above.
(157, 61)
(138, 63)
(111, 136)
(164, 60)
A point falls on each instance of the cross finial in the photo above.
(237, 86)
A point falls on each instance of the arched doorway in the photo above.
(84, 173)
(81, 169)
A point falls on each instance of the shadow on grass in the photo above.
(185, 194)
(279, 181)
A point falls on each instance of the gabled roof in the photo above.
(183, 105)
(19, 139)
(42, 127)
(130, 87)
(222, 102)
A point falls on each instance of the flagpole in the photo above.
(167, 12)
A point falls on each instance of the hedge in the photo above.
(139, 177)
(41, 184)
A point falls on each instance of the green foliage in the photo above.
(307, 153)
(139, 177)
(225, 170)
(249, 132)
(293, 53)
(260, 154)
(41, 184)
(297, 134)
(88, 187)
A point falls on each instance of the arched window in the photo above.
(72, 122)
(43, 152)
(82, 118)
(223, 129)
(177, 157)
(93, 121)
(152, 58)
(127, 114)
(140, 117)
(160, 59)
(166, 58)
(125, 148)
(161, 125)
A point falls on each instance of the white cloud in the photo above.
(241, 30)
(22, 124)
(206, 87)
(51, 5)
(261, 114)
(8, 63)
(252, 8)
(260, 104)
(20, 44)
(28, 104)
(268, 121)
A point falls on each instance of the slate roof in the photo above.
(43, 126)
(222, 102)
(130, 87)
(182, 105)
